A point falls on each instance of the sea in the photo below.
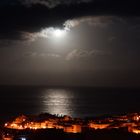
(77, 102)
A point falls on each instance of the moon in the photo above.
(53, 33)
(58, 33)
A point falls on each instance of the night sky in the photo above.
(70, 43)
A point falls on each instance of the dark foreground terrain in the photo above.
(53, 134)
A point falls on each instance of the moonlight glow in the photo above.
(59, 33)
(53, 33)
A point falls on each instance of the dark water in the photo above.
(76, 102)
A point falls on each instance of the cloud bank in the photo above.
(84, 53)
(18, 22)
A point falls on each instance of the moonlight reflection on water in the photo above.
(58, 101)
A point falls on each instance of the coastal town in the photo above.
(66, 124)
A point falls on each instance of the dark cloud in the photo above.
(42, 55)
(52, 3)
